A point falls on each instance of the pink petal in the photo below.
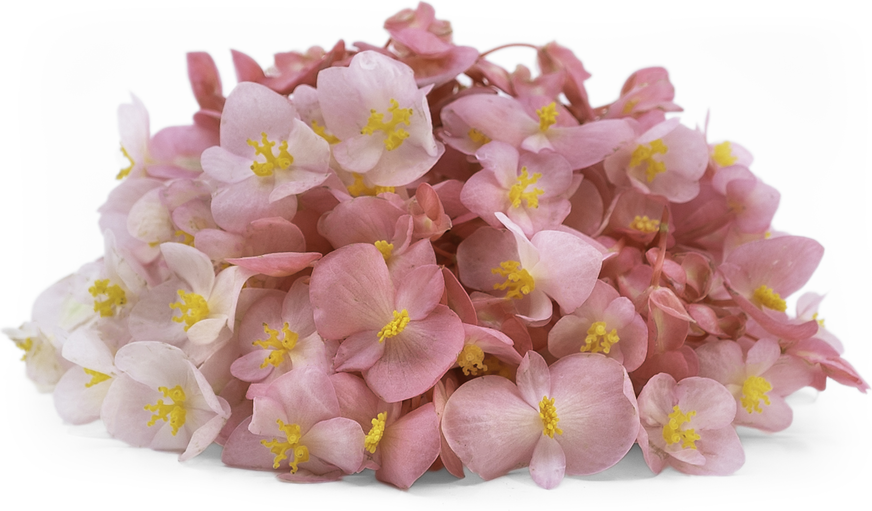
(548, 463)
(409, 446)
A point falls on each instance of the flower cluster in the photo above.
(405, 257)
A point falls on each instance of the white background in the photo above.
(788, 80)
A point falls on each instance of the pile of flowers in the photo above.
(405, 257)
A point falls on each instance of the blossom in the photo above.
(687, 425)
(162, 401)
(381, 118)
(395, 332)
(584, 422)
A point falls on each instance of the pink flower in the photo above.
(296, 427)
(759, 380)
(687, 425)
(395, 332)
(577, 417)
(533, 190)
(606, 323)
(381, 118)
(668, 160)
(162, 401)
(530, 273)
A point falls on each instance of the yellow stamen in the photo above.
(282, 161)
(518, 192)
(115, 297)
(673, 433)
(385, 248)
(548, 414)
(187, 239)
(630, 105)
(96, 377)
(126, 170)
(321, 131)
(645, 154)
(723, 154)
(753, 390)
(599, 339)
(193, 309)
(395, 326)
(645, 224)
(819, 321)
(280, 347)
(471, 360)
(519, 282)
(478, 137)
(359, 188)
(765, 296)
(26, 345)
(375, 434)
(395, 136)
(547, 116)
(173, 413)
(292, 443)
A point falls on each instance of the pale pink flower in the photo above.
(529, 272)
(162, 401)
(381, 118)
(688, 426)
(576, 417)
(296, 427)
(758, 379)
(395, 332)
(668, 160)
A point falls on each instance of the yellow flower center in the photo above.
(26, 345)
(395, 326)
(395, 135)
(359, 188)
(291, 443)
(548, 414)
(282, 161)
(645, 224)
(115, 297)
(630, 105)
(547, 116)
(519, 282)
(321, 131)
(96, 377)
(723, 154)
(645, 154)
(599, 339)
(753, 391)
(385, 248)
(193, 309)
(174, 412)
(765, 296)
(278, 347)
(674, 433)
(370, 443)
(471, 360)
(478, 137)
(518, 191)
(126, 170)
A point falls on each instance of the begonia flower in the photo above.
(529, 272)
(668, 160)
(194, 308)
(296, 427)
(399, 446)
(381, 118)
(584, 422)
(688, 426)
(162, 401)
(531, 189)
(395, 332)
(606, 323)
(759, 380)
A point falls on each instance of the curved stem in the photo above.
(510, 45)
